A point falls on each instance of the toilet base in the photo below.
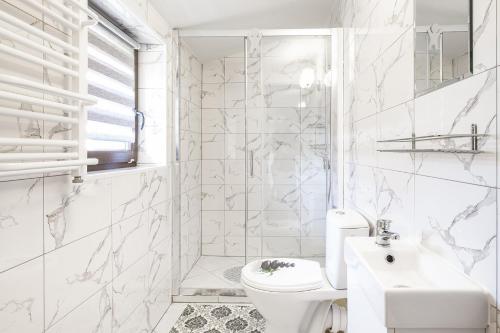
(316, 320)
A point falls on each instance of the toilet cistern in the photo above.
(384, 235)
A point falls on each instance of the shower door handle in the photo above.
(251, 163)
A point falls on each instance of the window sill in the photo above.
(124, 171)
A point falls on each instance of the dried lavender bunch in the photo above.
(268, 266)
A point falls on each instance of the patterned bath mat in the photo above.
(219, 318)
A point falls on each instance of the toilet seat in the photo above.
(306, 275)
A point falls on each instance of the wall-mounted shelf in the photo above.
(450, 151)
(414, 139)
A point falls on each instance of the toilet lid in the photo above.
(305, 275)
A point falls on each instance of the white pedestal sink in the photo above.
(407, 289)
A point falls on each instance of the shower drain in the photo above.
(233, 273)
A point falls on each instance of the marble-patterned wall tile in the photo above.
(395, 197)
(447, 228)
(364, 136)
(75, 271)
(395, 123)
(159, 223)
(213, 172)
(234, 69)
(386, 82)
(213, 197)
(374, 32)
(130, 241)
(312, 223)
(146, 316)
(312, 172)
(281, 246)
(282, 171)
(213, 233)
(213, 146)
(484, 34)
(190, 146)
(94, 315)
(156, 303)
(21, 299)
(360, 189)
(213, 121)
(191, 173)
(452, 110)
(234, 146)
(234, 233)
(127, 195)
(280, 223)
(314, 145)
(190, 204)
(255, 197)
(157, 187)
(213, 71)
(280, 95)
(64, 203)
(313, 198)
(280, 197)
(312, 247)
(129, 290)
(312, 119)
(234, 197)
(21, 236)
(234, 95)
(234, 246)
(282, 120)
(235, 120)
(281, 146)
(191, 150)
(234, 172)
(213, 95)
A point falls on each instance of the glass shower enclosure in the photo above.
(254, 152)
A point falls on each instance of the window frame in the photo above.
(109, 160)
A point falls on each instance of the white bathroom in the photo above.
(232, 166)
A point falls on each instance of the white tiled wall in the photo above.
(93, 257)
(287, 193)
(190, 160)
(446, 201)
(81, 256)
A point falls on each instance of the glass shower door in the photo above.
(287, 123)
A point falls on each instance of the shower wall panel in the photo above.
(223, 157)
(190, 160)
(288, 101)
(285, 131)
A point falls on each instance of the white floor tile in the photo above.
(169, 319)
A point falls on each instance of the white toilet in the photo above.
(297, 299)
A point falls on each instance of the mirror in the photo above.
(443, 43)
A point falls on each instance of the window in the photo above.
(112, 78)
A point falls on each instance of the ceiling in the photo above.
(245, 14)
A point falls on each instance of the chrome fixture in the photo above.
(251, 163)
(414, 139)
(384, 236)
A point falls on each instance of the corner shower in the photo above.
(254, 114)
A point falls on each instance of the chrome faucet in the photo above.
(384, 236)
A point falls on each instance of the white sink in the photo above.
(417, 290)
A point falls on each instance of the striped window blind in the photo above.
(111, 76)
